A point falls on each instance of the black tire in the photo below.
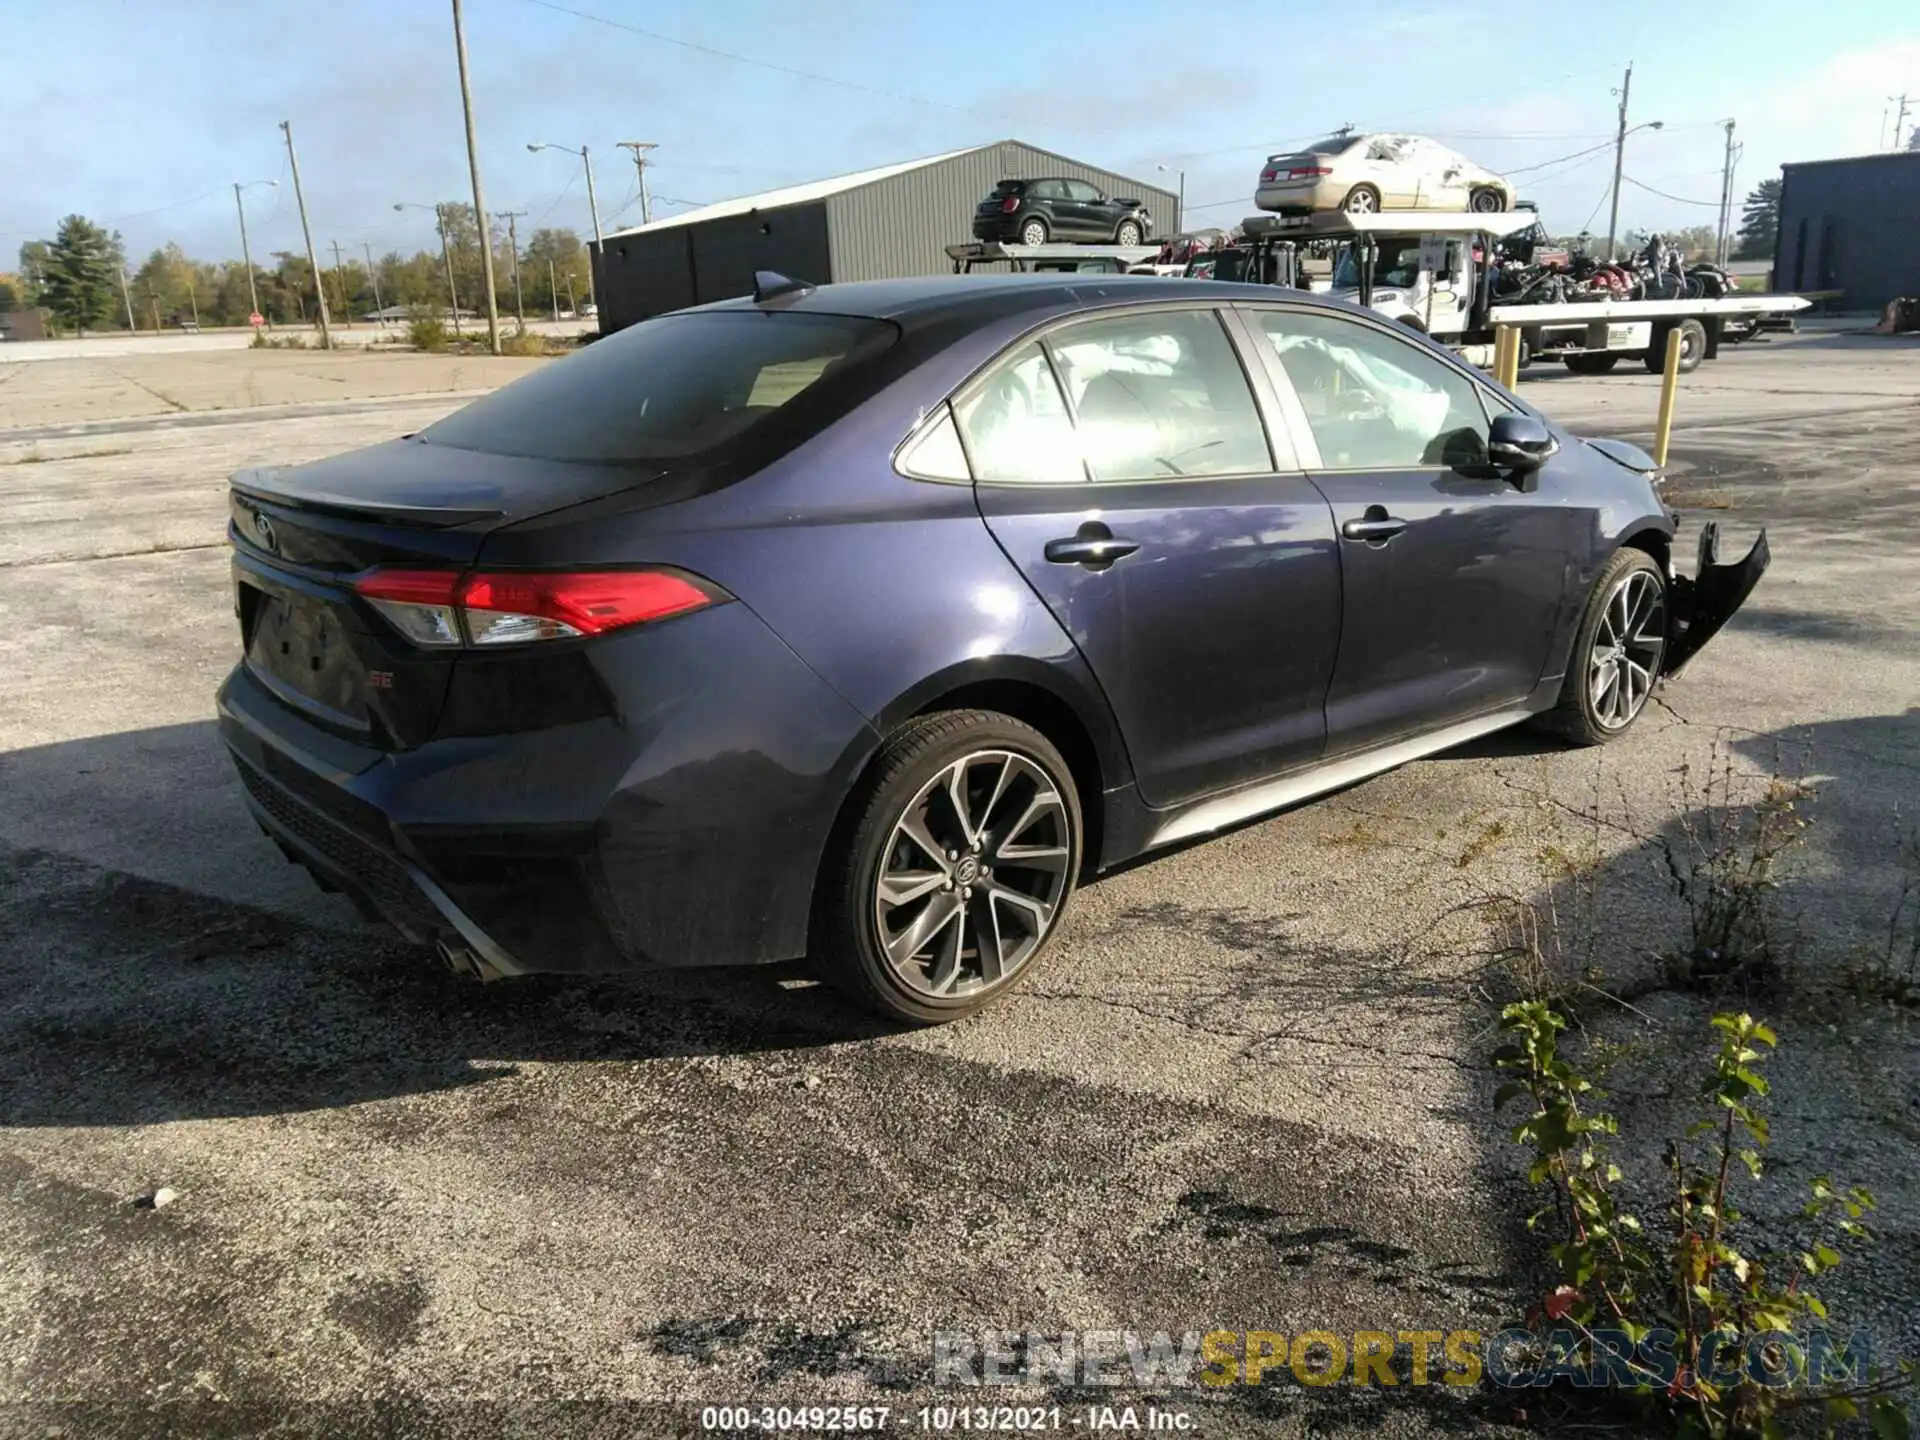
(1580, 717)
(1033, 231)
(1486, 201)
(1592, 364)
(1362, 200)
(1128, 233)
(848, 948)
(1693, 347)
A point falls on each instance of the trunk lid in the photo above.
(301, 535)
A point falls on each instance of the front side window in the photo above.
(1372, 400)
(1015, 425)
(1160, 394)
(1080, 190)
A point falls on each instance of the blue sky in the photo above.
(140, 113)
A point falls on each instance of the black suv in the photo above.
(1033, 212)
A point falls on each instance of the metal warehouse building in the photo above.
(870, 225)
(1851, 225)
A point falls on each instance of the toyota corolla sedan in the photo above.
(861, 623)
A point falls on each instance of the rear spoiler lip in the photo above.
(251, 484)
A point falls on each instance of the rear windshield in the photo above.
(1332, 145)
(678, 388)
(1009, 187)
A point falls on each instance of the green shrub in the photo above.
(427, 328)
(1690, 1277)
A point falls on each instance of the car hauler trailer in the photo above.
(1435, 278)
(1117, 259)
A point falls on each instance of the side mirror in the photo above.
(1520, 445)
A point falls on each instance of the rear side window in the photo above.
(679, 388)
(1016, 426)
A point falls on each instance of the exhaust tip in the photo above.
(466, 963)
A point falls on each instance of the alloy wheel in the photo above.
(1360, 202)
(973, 874)
(1627, 647)
(1485, 202)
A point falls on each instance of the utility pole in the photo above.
(446, 255)
(153, 305)
(340, 279)
(479, 196)
(1900, 116)
(128, 297)
(253, 291)
(554, 286)
(313, 260)
(593, 206)
(640, 149)
(193, 303)
(1726, 201)
(374, 276)
(1619, 162)
(513, 240)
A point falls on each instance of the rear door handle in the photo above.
(1376, 526)
(1093, 545)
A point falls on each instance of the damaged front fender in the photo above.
(1698, 605)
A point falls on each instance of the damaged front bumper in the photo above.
(1698, 605)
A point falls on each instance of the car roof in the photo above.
(926, 298)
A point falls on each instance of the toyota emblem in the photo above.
(263, 527)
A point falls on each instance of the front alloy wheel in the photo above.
(1627, 646)
(956, 858)
(1617, 651)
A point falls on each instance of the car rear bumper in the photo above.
(1302, 197)
(998, 227)
(685, 829)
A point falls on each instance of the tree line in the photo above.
(80, 277)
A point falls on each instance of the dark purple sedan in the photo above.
(859, 623)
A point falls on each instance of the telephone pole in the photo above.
(127, 296)
(340, 279)
(313, 260)
(1726, 198)
(513, 240)
(1619, 162)
(374, 276)
(640, 149)
(479, 196)
(553, 285)
(1900, 116)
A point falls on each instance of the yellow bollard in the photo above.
(1503, 338)
(1669, 388)
(1512, 378)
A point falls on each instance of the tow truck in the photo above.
(1436, 279)
(1098, 259)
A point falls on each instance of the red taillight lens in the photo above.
(1010, 204)
(507, 607)
(1308, 172)
(510, 606)
(1267, 175)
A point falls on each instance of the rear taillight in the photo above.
(1308, 172)
(1010, 204)
(446, 608)
(1267, 175)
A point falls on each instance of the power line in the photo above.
(1677, 199)
(763, 64)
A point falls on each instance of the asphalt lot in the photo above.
(1247, 1090)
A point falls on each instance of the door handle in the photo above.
(1376, 527)
(1092, 545)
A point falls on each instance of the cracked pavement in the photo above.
(1248, 1089)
